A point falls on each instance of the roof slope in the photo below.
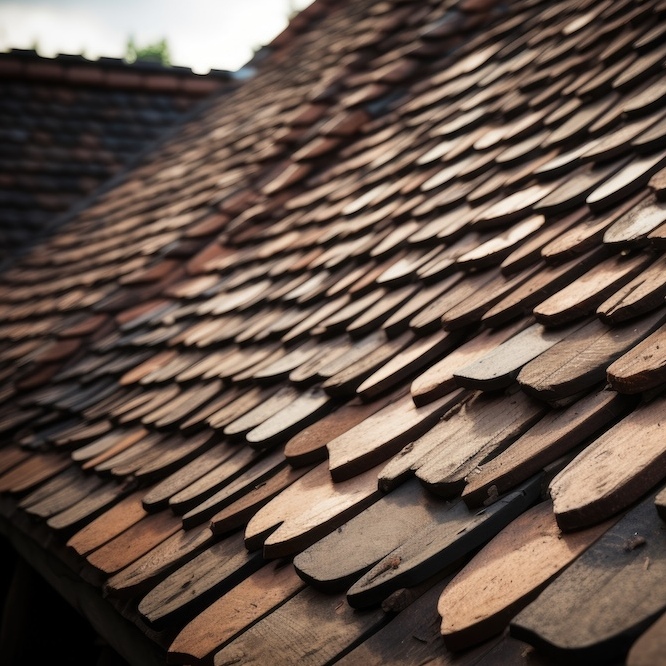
(364, 363)
(68, 124)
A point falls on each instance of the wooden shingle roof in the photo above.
(363, 364)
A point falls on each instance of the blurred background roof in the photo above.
(200, 34)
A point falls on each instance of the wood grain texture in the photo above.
(114, 521)
(580, 360)
(643, 367)
(144, 572)
(499, 367)
(644, 293)
(309, 445)
(189, 588)
(438, 546)
(30, 472)
(581, 297)
(619, 467)
(138, 539)
(439, 378)
(230, 615)
(554, 435)
(335, 562)
(239, 512)
(383, 434)
(506, 574)
(310, 628)
(603, 601)
(157, 497)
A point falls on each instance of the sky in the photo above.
(200, 34)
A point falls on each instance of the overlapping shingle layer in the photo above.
(364, 364)
(67, 124)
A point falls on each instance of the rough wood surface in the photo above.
(506, 574)
(309, 445)
(135, 541)
(339, 559)
(439, 379)
(490, 423)
(231, 614)
(643, 367)
(139, 576)
(310, 628)
(499, 367)
(438, 546)
(383, 434)
(603, 601)
(111, 523)
(580, 360)
(217, 569)
(557, 433)
(614, 471)
(309, 509)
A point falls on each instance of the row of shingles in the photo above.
(61, 143)
(212, 552)
(90, 255)
(147, 605)
(292, 540)
(454, 620)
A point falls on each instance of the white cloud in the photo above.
(201, 34)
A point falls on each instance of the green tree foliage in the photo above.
(157, 52)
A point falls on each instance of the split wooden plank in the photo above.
(111, 523)
(88, 508)
(643, 367)
(556, 434)
(620, 466)
(65, 497)
(421, 352)
(191, 587)
(311, 628)
(498, 368)
(301, 412)
(633, 228)
(507, 574)
(439, 379)
(132, 543)
(545, 282)
(412, 638)
(233, 613)
(491, 423)
(218, 477)
(145, 572)
(239, 512)
(580, 360)
(344, 383)
(644, 293)
(32, 471)
(383, 434)
(307, 510)
(440, 546)
(339, 559)
(604, 600)
(581, 297)
(157, 497)
(255, 474)
(309, 445)
(650, 648)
